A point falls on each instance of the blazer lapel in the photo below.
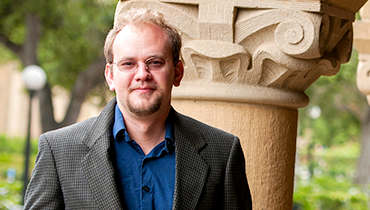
(191, 169)
(96, 166)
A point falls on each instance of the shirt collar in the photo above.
(119, 125)
(169, 138)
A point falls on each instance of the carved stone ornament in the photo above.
(363, 75)
(262, 52)
(362, 45)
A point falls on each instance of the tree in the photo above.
(363, 163)
(342, 105)
(345, 114)
(66, 39)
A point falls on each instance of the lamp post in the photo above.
(34, 79)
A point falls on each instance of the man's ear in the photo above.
(179, 73)
(108, 73)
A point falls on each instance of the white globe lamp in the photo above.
(34, 77)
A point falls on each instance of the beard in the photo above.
(147, 109)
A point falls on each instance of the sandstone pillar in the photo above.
(362, 45)
(247, 65)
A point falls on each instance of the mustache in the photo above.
(143, 86)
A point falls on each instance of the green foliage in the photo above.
(72, 36)
(342, 106)
(12, 20)
(329, 144)
(330, 186)
(12, 158)
(76, 41)
(6, 55)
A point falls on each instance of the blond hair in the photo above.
(142, 16)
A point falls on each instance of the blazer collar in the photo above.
(96, 165)
(191, 169)
(102, 125)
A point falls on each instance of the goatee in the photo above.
(145, 110)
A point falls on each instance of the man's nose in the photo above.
(142, 72)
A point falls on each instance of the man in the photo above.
(139, 153)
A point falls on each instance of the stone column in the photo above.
(247, 65)
(362, 45)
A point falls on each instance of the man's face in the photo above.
(142, 91)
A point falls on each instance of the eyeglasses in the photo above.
(151, 64)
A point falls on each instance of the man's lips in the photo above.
(146, 88)
(143, 90)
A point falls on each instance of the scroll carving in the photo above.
(296, 48)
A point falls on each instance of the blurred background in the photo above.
(331, 173)
(332, 169)
(65, 39)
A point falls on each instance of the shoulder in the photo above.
(77, 128)
(200, 134)
(68, 134)
(76, 132)
(190, 124)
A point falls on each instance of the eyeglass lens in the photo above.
(153, 64)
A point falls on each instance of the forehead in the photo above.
(139, 39)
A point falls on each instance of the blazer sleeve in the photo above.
(237, 194)
(44, 191)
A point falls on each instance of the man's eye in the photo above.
(126, 64)
(155, 62)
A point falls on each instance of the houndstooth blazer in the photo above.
(73, 169)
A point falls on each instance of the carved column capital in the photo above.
(233, 50)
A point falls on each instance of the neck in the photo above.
(147, 131)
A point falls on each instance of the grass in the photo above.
(12, 160)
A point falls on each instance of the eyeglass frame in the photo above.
(145, 63)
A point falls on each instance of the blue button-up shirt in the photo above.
(143, 181)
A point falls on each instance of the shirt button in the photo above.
(146, 189)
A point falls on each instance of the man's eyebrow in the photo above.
(154, 55)
(125, 58)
